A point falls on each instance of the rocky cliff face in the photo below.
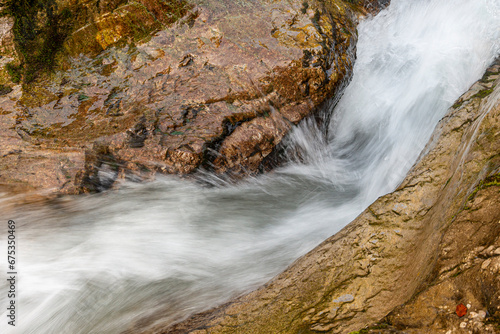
(134, 88)
(436, 239)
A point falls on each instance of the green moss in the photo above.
(483, 93)
(82, 97)
(133, 21)
(486, 75)
(458, 104)
(447, 182)
(490, 181)
(41, 28)
(305, 6)
(14, 71)
(176, 133)
(38, 35)
(493, 180)
(317, 16)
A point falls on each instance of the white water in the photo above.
(94, 264)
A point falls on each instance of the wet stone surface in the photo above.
(217, 87)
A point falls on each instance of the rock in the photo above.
(6, 37)
(495, 265)
(488, 251)
(413, 280)
(461, 310)
(485, 264)
(170, 86)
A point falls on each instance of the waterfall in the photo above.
(96, 263)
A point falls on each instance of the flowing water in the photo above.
(96, 263)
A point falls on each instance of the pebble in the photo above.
(495, 264)
(463, 324)
(489, 250)
(344, 299)
(485, 264)
(481, 314)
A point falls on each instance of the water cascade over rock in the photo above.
(147, 255)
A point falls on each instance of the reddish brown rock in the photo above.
(436, 239)
(461, 310)
(173, 86)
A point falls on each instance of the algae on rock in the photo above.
(173, 86)
(39, 31)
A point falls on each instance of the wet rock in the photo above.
(173, 86)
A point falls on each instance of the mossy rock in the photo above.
(47, 31)
(5, 90)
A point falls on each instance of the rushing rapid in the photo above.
(97, 263)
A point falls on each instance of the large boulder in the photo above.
(436, 238)
(141, 87)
